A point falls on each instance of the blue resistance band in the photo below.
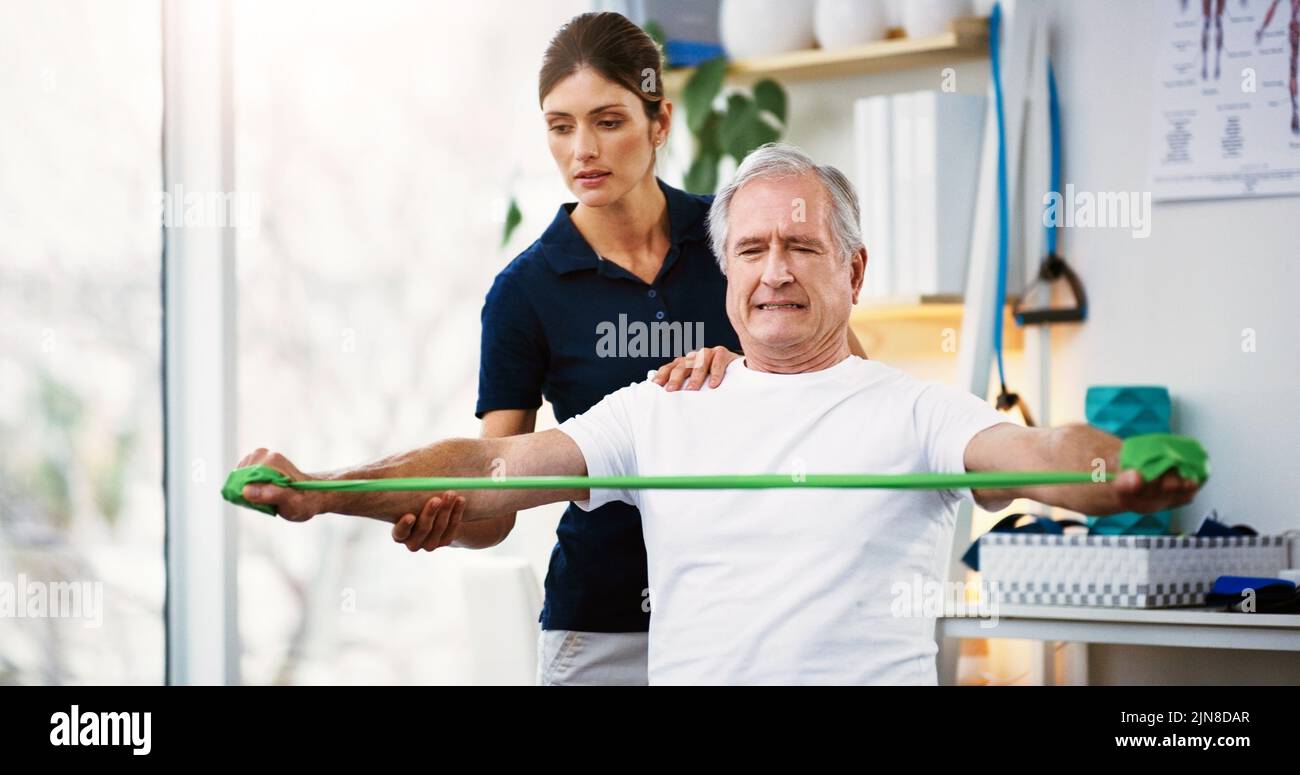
(1054, 112)
(1007, 400)
(995, 60)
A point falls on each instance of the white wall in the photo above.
(1170, 309)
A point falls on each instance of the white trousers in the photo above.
(571, 658)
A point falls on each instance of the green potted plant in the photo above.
(745, 122)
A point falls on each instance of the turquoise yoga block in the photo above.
(1129, 410)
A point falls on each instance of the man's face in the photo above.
(789, 292)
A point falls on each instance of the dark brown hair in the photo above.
(613, 46)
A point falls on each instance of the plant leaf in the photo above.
(700, 90)
(513, 218)
(769, 96)
(656, 32)
(741, 112)
(708, 140)
(702, 177)
(756, 133)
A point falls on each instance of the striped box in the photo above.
(1120, 571)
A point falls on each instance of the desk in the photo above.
(1189, 627)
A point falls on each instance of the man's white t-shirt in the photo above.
(789, 585)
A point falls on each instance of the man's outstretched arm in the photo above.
(549, 453)
(1009, 447)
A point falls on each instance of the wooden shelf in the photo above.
(968, 39)
(913, 327)
(911, 308)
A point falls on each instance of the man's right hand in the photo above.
(293, 505)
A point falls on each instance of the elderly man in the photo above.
(791, 585)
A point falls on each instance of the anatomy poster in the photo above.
(1226, 121)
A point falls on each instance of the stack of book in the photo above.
(916, 170)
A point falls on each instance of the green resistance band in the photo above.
(1154, 453)
(1182, 455)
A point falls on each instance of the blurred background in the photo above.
(378, 150)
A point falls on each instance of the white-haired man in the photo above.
(790, 585)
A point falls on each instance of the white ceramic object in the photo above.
(927, 18)
(844, 23)
(758, 28)
(894, 9)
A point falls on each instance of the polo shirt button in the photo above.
(659, 315)
(652, 293)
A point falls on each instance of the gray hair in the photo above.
(776, 160)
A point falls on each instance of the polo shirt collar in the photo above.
(567, 251)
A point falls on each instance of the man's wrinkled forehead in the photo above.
(793, 209)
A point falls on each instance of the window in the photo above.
(81, 501)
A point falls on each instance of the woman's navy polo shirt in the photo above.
(563, 324)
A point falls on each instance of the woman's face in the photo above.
(600, 136)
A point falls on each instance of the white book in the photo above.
(948, 131)
(873, 170)
(904, 227)
(925, 269)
